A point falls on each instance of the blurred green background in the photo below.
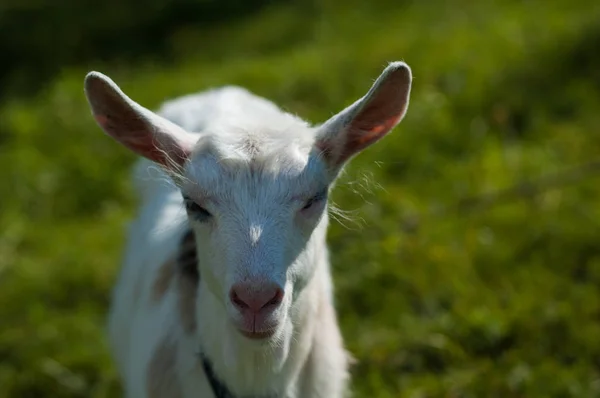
(471, 265)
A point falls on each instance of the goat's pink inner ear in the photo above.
(138, 136)
(360, 138)
(101, 120)
(369, 119)
(137, 128)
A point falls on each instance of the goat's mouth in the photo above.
(257, 326)
(253, 330)
(258, 335)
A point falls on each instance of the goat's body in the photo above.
(156, 353)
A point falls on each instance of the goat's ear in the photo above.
(368, 119)
(137, 128)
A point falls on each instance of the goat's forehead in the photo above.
(256, 165)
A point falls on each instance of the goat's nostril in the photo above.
(276, 300)
(237, 301)
(253, 298)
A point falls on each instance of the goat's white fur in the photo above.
(259, 234)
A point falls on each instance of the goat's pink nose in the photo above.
(255, 298)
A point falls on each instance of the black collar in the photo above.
(219, 389)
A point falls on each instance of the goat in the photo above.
(226, 288)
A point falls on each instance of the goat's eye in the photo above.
(309, 204)
(314, 200)
(197, 211)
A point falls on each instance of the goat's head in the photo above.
(255, 195)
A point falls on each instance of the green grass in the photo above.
(498, 301)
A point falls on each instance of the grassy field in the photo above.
(438, 295)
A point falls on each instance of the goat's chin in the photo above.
(274, 348)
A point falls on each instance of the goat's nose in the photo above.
(255, 298)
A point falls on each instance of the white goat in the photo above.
(226, 289)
